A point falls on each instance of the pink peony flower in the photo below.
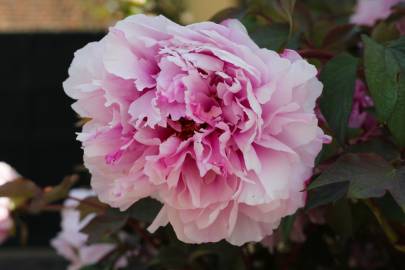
(7, 174)
(359, 116)
(369, 11)
(71, 243)
(222, 132)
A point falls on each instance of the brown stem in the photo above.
(315, 53)
(386, 227)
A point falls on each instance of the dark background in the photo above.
(37, 125)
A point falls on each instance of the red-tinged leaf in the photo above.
(340, 36)
(20, 188)
(91, 205)
(60, 191)
(103, 227)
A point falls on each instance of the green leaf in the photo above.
(340, 219)
(398, 188)
(396, 123)
(326, 194)
(294, 41)
(145, 209)
(365, 175)
(286, 227)
(338, 77)
(385, 71)
(272, 37)
(103, 227)
(391, 209)
(385, 149)
(366, 171)
(385, 31)
(380, 65)
(397, 48)
(327, 152)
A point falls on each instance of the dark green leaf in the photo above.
(396, 123)
(294, 41)
(381, 69)
(398, 188)
(338, 8)
(339, 217)
(326, 194)
(338, 77)
(391, 209)
(377, 146)
(385, 74)
(366, 176)
(369, 175)
(397, 48)
(327, 152)
(272, 37)
(286, 227)
(102, 227)
(385, 31)
(145, 209)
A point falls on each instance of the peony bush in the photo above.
(271, 137)
(200, 118)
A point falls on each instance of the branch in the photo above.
(315, 53)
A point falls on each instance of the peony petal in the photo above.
(144, 107)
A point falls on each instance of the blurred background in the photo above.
(38, 39)
(37, 42)
(96, 15)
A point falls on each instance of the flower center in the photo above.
(189, 127)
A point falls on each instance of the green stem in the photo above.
(386, 227)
